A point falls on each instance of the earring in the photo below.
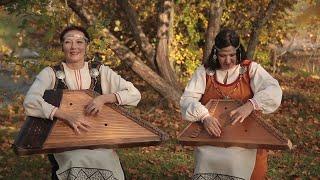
(214, 56)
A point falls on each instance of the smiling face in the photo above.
(227, 57)
(74, 46)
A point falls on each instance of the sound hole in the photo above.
(245, 130)
(70, 104)
(225, 107)
(105, 124)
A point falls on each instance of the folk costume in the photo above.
(247, 81)
(81, 163)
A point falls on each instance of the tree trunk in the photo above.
(262, 18)
(162, 56)
(216, 8)
(133, 61)
(171, 33)
(144, 71)
(139, 36)
(273, 57)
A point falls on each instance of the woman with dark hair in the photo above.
(228, 74)
(74, 73)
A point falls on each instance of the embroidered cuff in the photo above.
(204, 116)
(118, 98)
(255, 104)
(52, 113)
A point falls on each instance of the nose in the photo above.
(228, 59)
(72, 45)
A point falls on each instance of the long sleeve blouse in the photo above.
(111, 82)
(266, 90)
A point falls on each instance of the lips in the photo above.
(74, 53)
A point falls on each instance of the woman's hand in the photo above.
(95, 105)
(75, 123)
(241, 113)
(212, 126)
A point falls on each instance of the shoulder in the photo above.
(47, 71)
(201, 70)
(106, 68)
(252, 65)
(199, 74)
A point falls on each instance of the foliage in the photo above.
(37, 26)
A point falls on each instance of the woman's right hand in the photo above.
(212, 126)
(74, 122)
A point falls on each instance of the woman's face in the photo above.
(74, 46)
(227, 57)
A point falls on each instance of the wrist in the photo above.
(60, 115)
(254, 104)
(250, 105)
(204, 117)
(109, 98)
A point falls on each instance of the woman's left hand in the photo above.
(95, 105)
(241, 113)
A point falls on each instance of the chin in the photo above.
(75, 60)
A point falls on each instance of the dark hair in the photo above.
(225, 38)
(77, 28)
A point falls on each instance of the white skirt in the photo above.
(224, 163)
(89, 164)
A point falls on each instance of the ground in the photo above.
(298, 118)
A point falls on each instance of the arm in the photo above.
(267, 91)
(34, 103)
(115, 90)
(112, 83)
(267, 94)
(191, 108)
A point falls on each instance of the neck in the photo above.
(75, 65)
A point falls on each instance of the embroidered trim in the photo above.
(80, 173)
(52, 113)
(77, 75)
(255, 104)
(214, 176)
(118, 98)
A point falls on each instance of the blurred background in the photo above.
(168, 39)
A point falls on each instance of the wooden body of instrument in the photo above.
(252, 133)
(113, 127)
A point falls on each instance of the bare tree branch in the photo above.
(83, 14)
(144, 71)
(262, 18)
(142, 40)
(131, 59)
(216, 9)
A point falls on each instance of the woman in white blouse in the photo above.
(228, 74)
(76, 74)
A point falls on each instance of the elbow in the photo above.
(135, 98)
(27, 102)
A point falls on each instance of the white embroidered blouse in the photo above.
(266, 89)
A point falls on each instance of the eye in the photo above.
(67, 42)
(80, 42)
